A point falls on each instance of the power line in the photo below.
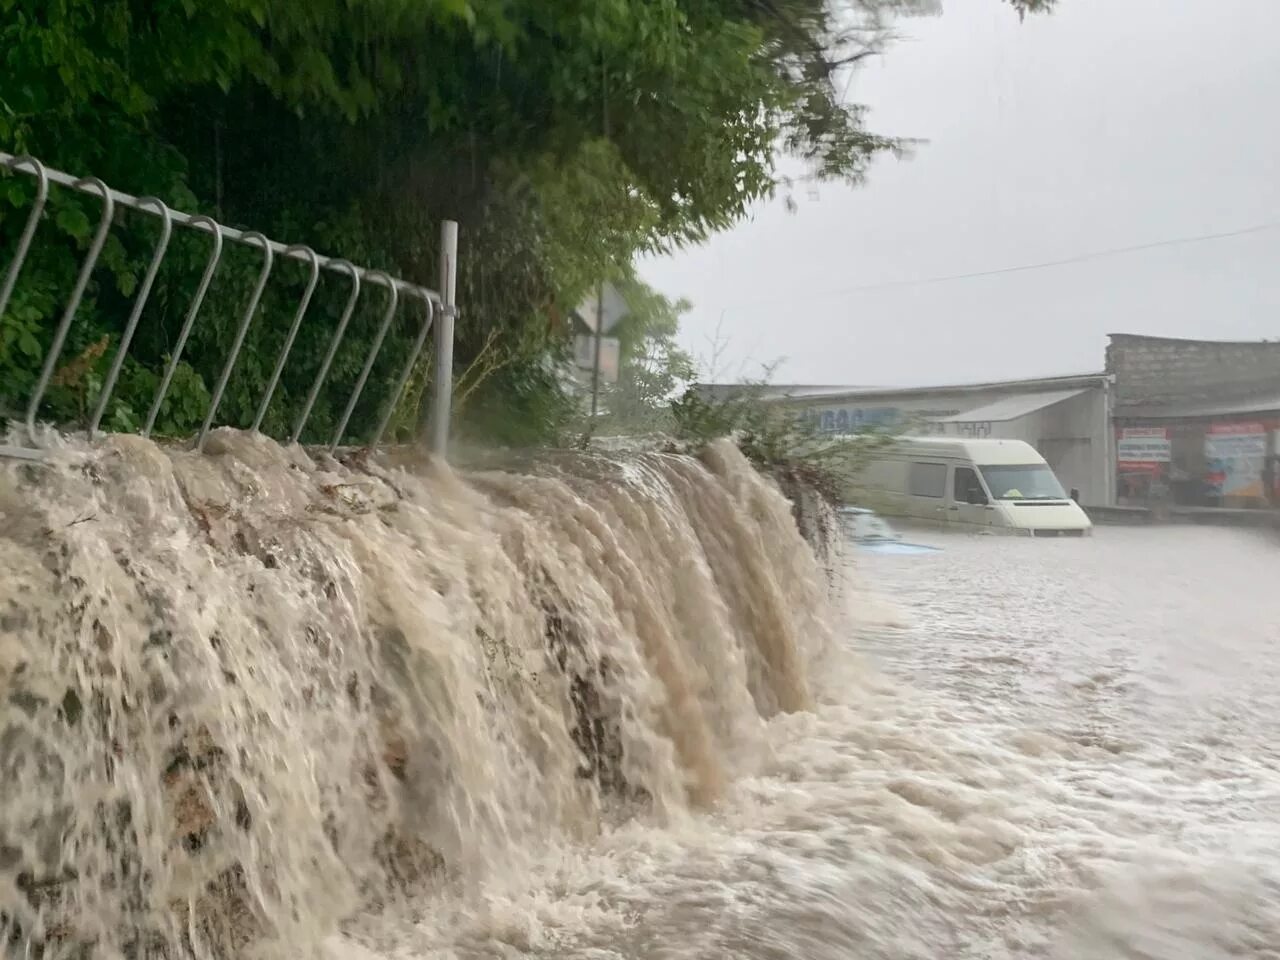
(1044, 264)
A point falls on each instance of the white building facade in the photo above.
(1067, 419)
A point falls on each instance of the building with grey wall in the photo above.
(1066, 419)
(1197, 421)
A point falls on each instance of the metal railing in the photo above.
(439, 307)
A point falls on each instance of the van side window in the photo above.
(965, 486)
(927, 480)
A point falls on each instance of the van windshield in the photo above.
(1032, 481)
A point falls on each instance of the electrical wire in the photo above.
(1041, 265)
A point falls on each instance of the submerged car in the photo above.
(869, 531)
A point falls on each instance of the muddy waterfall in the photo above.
(246, 696)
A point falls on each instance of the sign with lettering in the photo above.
(840, 420)
(850, 419)
(1235, 453)
(1143, 449)
(971, 429)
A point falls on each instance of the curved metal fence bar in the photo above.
(440, 314)
(228, 233)
(77, 294)
(139, 303)
(347, 311)
(387, 317)
(29, 231)
(394, 399)
(288, 340)
(268, 261)
(196, 302)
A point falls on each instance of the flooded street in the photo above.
(1060, 749)
(1136, 640)
(433, 437)
(1137, 675)
(1065, 749)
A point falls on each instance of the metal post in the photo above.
(33, 221)
(595, 362)
(77, 294)
(139, 304)
(206, 278)
(406, 371)
(293, 335)
(393, 293)
(1109, 452)
(333, 349)
(442, 393)
(268, 260)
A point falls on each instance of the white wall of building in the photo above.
(1073, 435)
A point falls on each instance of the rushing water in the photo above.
(257, 705)
(1059, 749)
(250, 699)
(1120, 697)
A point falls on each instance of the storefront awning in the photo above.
(1012, 408)
(1200, 410)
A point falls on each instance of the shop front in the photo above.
(1204, 462)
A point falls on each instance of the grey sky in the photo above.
(1111, 123)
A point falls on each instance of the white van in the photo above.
(1001, 486)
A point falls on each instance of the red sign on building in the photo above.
(1143, 449)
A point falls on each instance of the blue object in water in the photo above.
(894, 547)
(871, 533)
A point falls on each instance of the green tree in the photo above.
(566, 137)
(653, 368)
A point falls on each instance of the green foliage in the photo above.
(653, 368)
(1032, 6)
(566, 137)
(772, 437)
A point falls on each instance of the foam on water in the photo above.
(248, 696)
(259, 705)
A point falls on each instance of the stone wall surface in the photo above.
(1154, 369)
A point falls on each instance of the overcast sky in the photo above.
(1108, 124)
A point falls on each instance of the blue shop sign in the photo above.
(849, 419)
